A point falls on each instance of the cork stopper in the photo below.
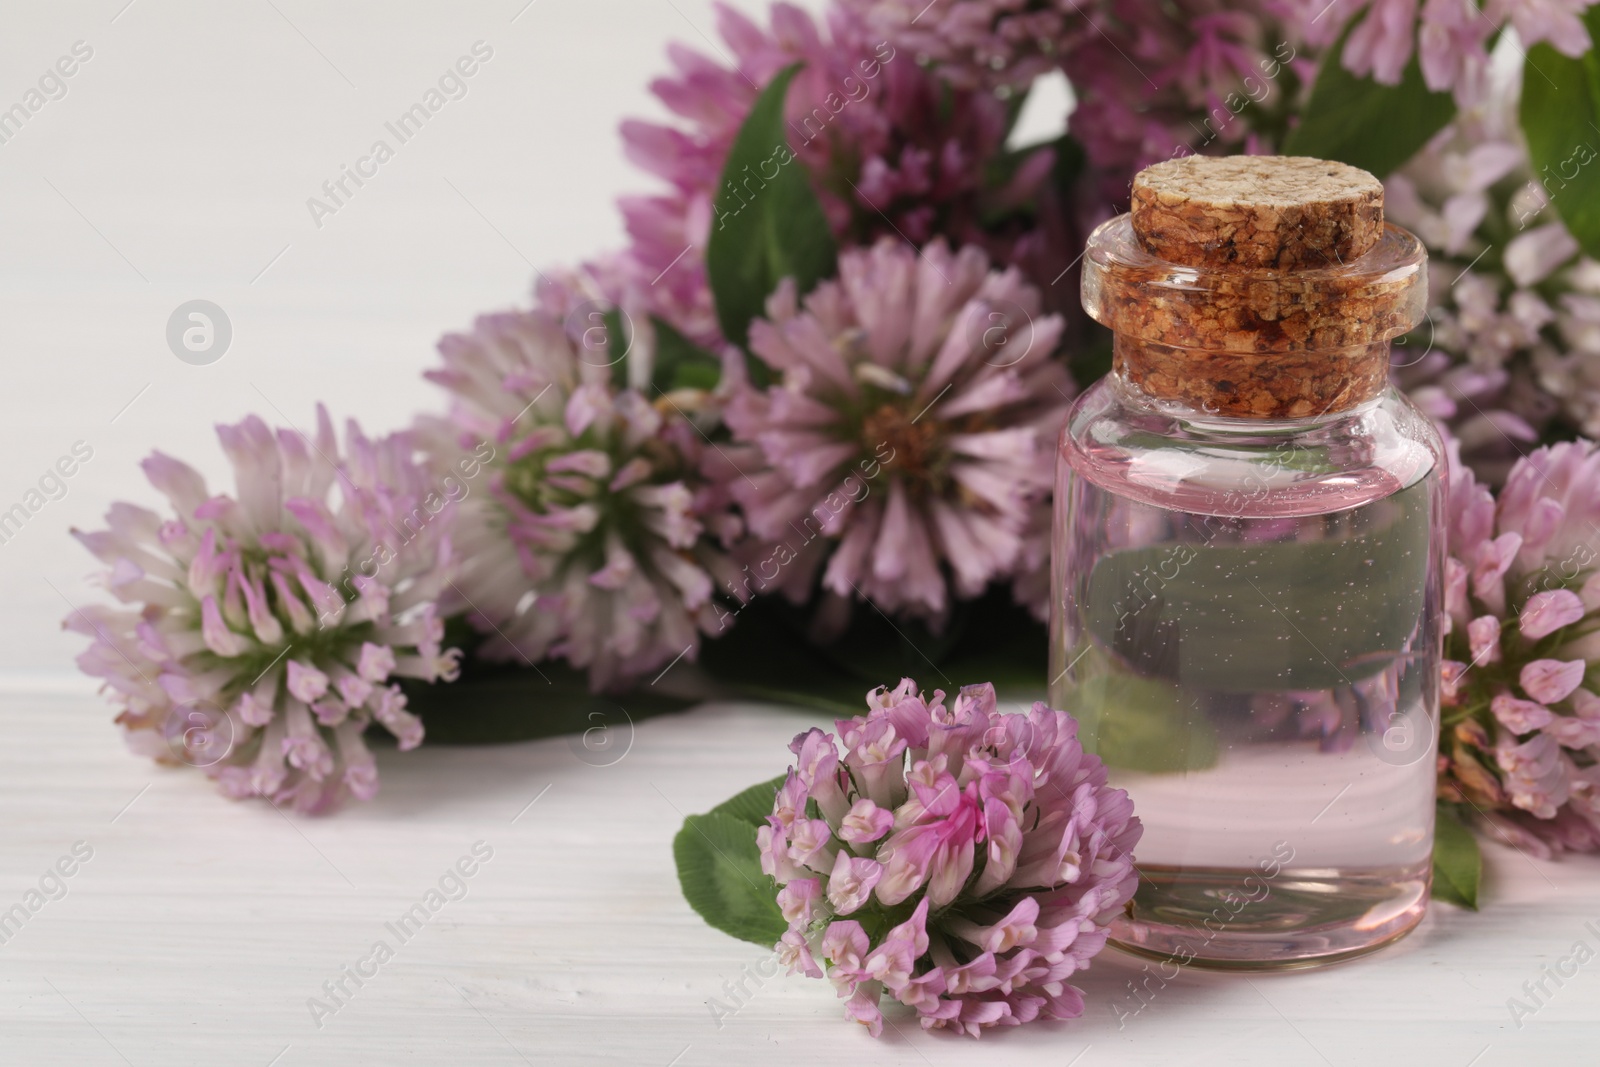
(1278, 212)
(1264, 287)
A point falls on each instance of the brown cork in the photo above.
(1279, 212)
(1254, 385)
(1255, 287)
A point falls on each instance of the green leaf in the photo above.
(680, 363)
(1071, 162)
(754, 804)
(999, 172)
(770, 653)
(719, 868)
(1560, 115)
(880, 652)
(1140, 724)
(1457, 863)
(765, 655)
(1091, 360)
(769, 224)
(1273, 616)
(1014, 105)
(1365, 124)
(491, 704)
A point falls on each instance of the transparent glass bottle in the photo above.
(1247, 597)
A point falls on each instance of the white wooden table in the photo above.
(200, 928)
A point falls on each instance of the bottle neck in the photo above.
(1289, 387)
(1209, 417)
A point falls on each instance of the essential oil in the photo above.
(1246, 563)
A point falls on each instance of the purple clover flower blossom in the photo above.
(1449, 37)
(1511, 341)
(1156, 79)
(997, 44)
(967, 862)
(1521, 735)
(1151, 79)
(891, 148)
(905, 449)
(260, 635)
(590, 540)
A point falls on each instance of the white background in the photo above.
(178, 167)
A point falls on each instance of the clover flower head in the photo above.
(259, 635)
(962, 861)
(892, 147)
(1521, 736)
(905, 447)
(587, 539)
(1510, 348)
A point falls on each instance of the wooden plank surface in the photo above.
(200, 928)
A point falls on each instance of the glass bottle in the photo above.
(1246, 558)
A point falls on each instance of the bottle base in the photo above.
(1242, 920)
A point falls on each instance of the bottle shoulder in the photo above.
(1248, 467)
